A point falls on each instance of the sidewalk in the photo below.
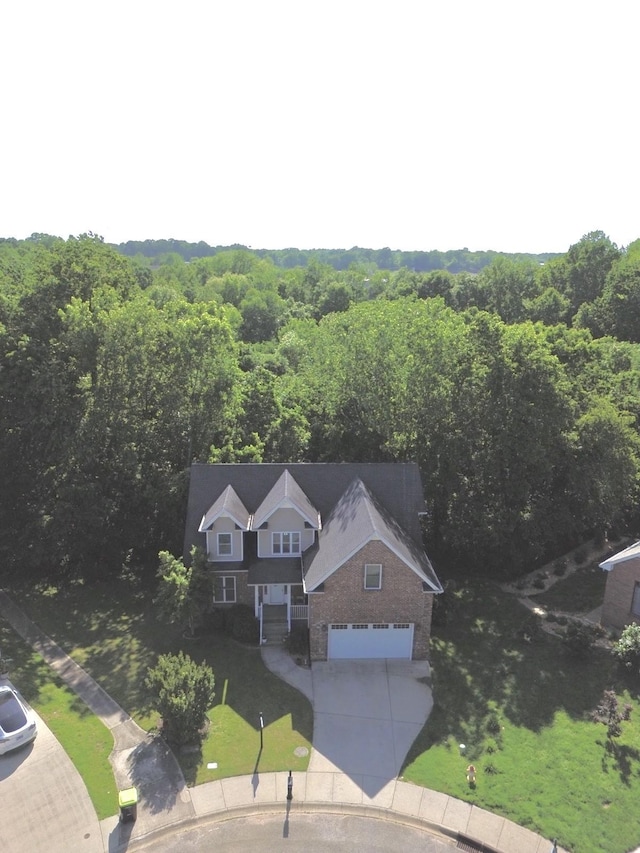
(401, 802)
(166, 803)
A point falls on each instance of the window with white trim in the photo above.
(225, 545)
(285, 542)
(635, 604)
(373, 576)
(224, 589)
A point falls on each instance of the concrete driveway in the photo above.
(45, 804)
(367, 713)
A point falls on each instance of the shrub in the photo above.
(579, 556)
(560, 567)
(241, 624)
(491, 769)
(182, 692)
(216, 620)
(298, 640)
(530, 629)
(493, 724)
(579, 638)
(610, 714)
(627, 648)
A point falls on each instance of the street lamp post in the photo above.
(290, 786)
(261, 728)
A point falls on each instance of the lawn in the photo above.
(112, 631)
(580, 592)
(522, 711)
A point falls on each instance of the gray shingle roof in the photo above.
(394, 498)
(356, 519)
(286, 492)
(228, 503)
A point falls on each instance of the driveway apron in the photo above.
(367, 713)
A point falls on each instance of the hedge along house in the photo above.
(334, 546)
(621, 603)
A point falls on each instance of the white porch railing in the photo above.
(299, 611)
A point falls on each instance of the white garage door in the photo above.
(386, 640)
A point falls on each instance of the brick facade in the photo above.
(618, 594)
(401, 599)
(244, 594)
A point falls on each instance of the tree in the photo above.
(184, 592)
(610, 714)
(262, 313)
(182, 692)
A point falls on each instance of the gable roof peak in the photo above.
(227, 504)
(287, 493)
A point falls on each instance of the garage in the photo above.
(374, 640)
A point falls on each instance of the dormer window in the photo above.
(225, 546)
(285, 543)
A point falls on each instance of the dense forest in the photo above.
(515, 387)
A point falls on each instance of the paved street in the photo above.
(45, 803)
(300, 833)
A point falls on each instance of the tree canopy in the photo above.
(516, 388)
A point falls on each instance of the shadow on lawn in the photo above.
(483, 665)
(620, 758)
(116, 630)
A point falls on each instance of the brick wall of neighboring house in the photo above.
(618, 594)
(345, 599)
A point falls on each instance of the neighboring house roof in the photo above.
(229, 505)
(629, 553)
(287, 493)
(357, 519)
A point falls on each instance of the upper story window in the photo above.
(225, 545)
(285, 543)
(635, 604)
(373, 576)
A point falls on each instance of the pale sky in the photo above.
(412, 124)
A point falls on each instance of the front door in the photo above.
(276, 594)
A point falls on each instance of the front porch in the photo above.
(276, 619)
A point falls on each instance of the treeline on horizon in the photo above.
(455, 260)
(515, 388)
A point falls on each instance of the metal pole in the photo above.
(290, 786)
(261, 728)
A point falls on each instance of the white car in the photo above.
(17, 722)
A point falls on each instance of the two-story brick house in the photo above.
(335, 545)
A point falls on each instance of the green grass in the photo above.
(112, 631)
(580, 592)
(85, 739)
(554, 771)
